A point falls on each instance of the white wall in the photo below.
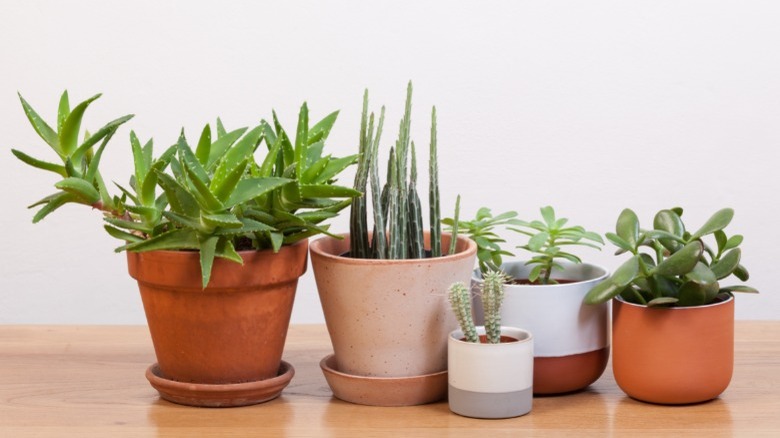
(588, 106)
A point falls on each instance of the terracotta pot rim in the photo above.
(315, 248)
(243, 252)
(683, 308)
(477, 276)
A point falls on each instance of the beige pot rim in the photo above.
(318, 247)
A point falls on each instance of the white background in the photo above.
(587, 106)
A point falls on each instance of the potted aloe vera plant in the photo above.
(544, 295)
(669, 307)
(383, 290)
(490, 366)
(218, 251)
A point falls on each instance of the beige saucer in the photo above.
(220, 396)
(384, 391)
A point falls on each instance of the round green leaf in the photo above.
(628, 227)
(717, 221)
(681, 262)
(727, 264)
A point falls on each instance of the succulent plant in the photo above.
(481, 230)
(397, 212)
(492, 295)
(670, 266)
(216, 199)
(81, 182)
(547, 237)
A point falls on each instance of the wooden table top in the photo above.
(88, 381)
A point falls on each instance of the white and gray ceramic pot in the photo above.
(491, 380)
(572, 339)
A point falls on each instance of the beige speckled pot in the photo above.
(389, 318)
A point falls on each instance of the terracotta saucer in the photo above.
(384, 391)
(220, 396)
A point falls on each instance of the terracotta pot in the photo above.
(571, 339)
(231, 332)
(674, 355)
(389, 318)
(491, 380)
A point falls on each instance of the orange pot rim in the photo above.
(680, 308)
(315, 248)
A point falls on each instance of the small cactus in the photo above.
(460, 299)
(492, 297)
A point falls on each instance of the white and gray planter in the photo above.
(491, 380)
(572, 339)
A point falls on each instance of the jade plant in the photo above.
(669, 265)
(218, 198)
(492, 296)
(398, 231)
(547, 239)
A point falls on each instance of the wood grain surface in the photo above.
(88, 381)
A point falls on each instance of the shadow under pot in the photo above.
(388, 321)
(491, 380)
(675, 355)
(571, 338)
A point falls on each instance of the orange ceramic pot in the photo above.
(675, 355)
(389, 319)
(234, 330)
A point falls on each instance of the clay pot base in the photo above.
(565, 374)
(384, 391)
(220, 396)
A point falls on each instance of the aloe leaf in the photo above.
(277, 239)
(68, 136)
(316, 216)
(247, 226)
(222, 144)
(92, 168)
(310, 174)
(223, 220)
(223, 187)
(63, 110)
(739, 288)
(270, 159)
(41, 128)
(681, 262)
(128, 224)
(313, 153)
(301, 139)
(334, 167)
(208, 249)
(179, 198)
(206, 199)
(81, 189)
(203, 150)
(288, 152)
(34, 162)
(122, 235)
(175, 239)
(628, 227)
(239, 153)
(93, 139)
(127, 193)
(327, 191)
(226, 250)
(727, 264)
(190, 163)
(185, 221)
(251, 188)
(321, 130)
(53, 204)
(716, 222)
